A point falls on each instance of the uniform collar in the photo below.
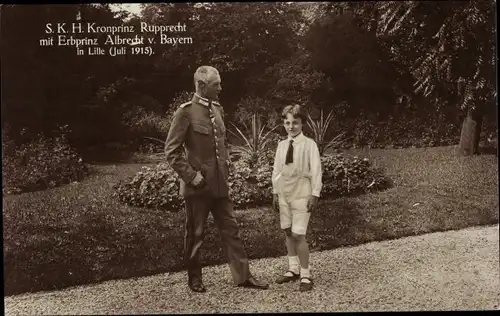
(203, 101)
(298, 138)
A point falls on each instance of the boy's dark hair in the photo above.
(296, 111)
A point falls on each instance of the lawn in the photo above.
(79, 234)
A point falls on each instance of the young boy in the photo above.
(296, 188)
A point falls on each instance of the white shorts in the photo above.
(293, 214)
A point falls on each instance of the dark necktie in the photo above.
(289, 153)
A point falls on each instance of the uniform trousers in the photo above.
(197, 209)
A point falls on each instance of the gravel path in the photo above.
(455, 270)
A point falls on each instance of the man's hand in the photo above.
(198, 180)
(276, 203)
(312, 203)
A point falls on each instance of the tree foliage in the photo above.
(447, 46)
(232, 37)
(51, 83)
(57, 87)
(384, 60)
(353, 61)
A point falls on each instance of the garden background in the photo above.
(401, 98)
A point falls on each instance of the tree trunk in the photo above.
(471, 133)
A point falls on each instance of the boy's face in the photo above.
(293, 125)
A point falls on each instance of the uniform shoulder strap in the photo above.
(183, 105)
(219, 107)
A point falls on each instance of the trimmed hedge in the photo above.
(158, 186)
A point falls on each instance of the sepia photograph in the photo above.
(249, 157)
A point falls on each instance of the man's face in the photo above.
(293, 125)
(212, 88)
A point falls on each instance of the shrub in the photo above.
(345, 175)
(248, 107)
(151, 127)
(250, 181)
(158, 186)
(250, 185)
(152, 187)
(147, 123)
(255, 141)
(400, 131)
(40, 164)
(319, 128)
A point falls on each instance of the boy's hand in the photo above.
(276, 204)
(312, 203)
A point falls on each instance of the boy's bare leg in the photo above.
(305, 274)
(302, 250)
(291, 247)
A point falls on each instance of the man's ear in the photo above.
(201, 84)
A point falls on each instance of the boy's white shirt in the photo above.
(305, 169)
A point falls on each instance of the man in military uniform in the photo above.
(196, 149)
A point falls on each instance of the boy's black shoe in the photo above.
(306, 286)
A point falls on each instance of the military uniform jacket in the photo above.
(197, 142)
